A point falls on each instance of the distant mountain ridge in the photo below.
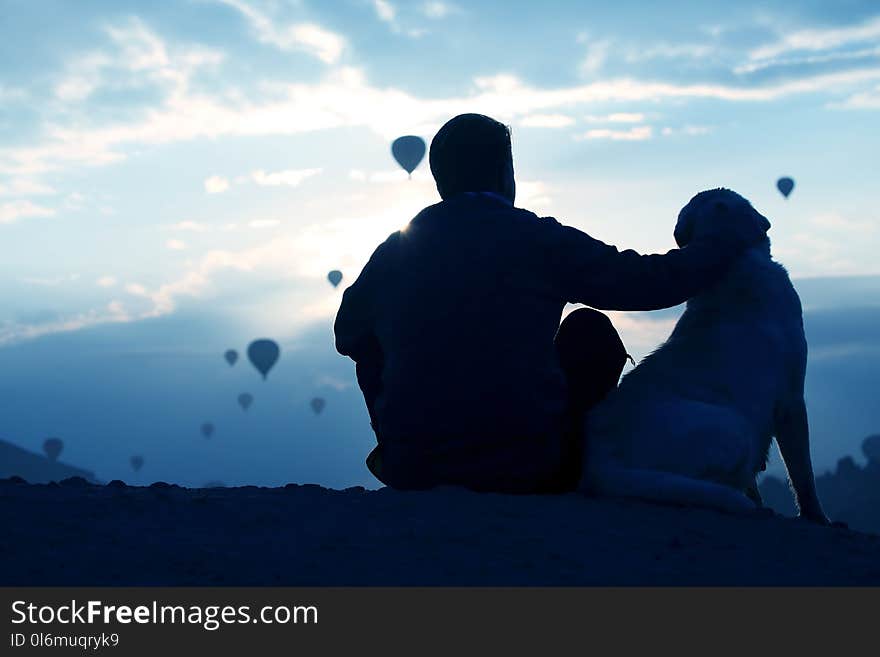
(16, 461)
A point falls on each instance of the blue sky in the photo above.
(201, 165)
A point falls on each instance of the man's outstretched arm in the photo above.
(585, 270)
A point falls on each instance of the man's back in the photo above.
(465, 318)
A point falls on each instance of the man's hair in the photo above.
(470, 153)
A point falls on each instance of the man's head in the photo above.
(471, 153)
(718, 210)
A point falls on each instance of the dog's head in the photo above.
(716, 205)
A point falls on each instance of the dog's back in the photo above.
(702, 406)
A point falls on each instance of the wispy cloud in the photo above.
(863, 54)
(264, 223)
(636, 133)
(12, 211)
(345, 98)
(616, 117)
(175, 245)
(25, 187)
(306, 37)
(546, 121)
(216, 184)
(289, 177)
(192, 226)
(817, 39)
(686, 130)
(385, 11)
(53, 281)
(595, 57)
(437, 10)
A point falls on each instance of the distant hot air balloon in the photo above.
(52, 447)
(207, 429)
(263, 355)
(408, 151)
(245, 400)
(334, 277)
(785, 185)
(231, 356)
(137, 462)
(871, 448)
(318, 404)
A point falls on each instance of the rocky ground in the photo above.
(76, 533)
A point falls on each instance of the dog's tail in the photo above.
(666, 487)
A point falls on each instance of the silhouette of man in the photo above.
(454, 325)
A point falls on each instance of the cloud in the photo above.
(25, 187)
(663, 50)
(264, 223)
(388, 176)
(687, 130)
(837, 223)
(305, 37)
(384, 10)
(14, 210)
(533, 194)
(861, 101)
(616, 117)
(853, 55)
(636, 133)
(191, 226)
(15, 332)
(54, 281)
(437, 10)
(818, 39)
(594, 60)
(141, 57)
(546, 121)
(216, 184)
(175, 245)
(290, 177)
(106, 281)
(344, 98)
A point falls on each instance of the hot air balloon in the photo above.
(785, 185)
(263, 355)
(137, 462)
(52, 447)
(334, 277)
(245, 400)
(207, 429)
(231, 356)
(318, 404)
(408, 151)
(871, 448)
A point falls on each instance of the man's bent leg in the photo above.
(368, 369)
(592, 357)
